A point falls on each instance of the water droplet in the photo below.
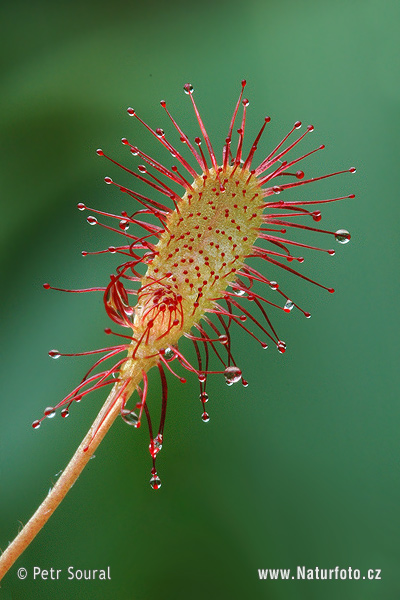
(81, 206)
(168, 353)
(130, 417)
(232, 375)
(239, 292)
(92, 220)
(202, 377)
(108, 180)
(273, 285)
(223, 339)
(155, 482)
(99, 152)
(36, 424)
(281, 347)
(289, 306)
(188, 88)
(203, 397)
(49, 412)
(155, 445)
(160, 132)
(245, 383)
(130, 111)
(297, 124)
(65, 413)
(54, 354)
(205, 417)
(307, 315)
(124, 225)
(342, 236)
(135, 151)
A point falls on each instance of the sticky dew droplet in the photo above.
(155, 482)
(168, 353)
(342, 236)
(130, 417)
(281, 347)
(232, 375)
(289, 306)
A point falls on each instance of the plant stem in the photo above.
(101, 425)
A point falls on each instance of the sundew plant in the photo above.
(186, 270)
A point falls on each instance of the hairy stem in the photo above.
(101, 425)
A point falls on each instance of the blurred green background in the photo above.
(300, 468)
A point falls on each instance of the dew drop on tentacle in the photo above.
(49, 412)
(130, 417)
(155, 445)
(65, 413)
(223, 339)
(232, 375)
(273, 285)
(289, 306)
(155, 482)
(188, 88)
(54, 354)
(205, 417)
(36, 424)
(168, 353)
(203, 397)
(342, 236)
(281, 347)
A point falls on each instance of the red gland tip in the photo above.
(46, 286)
(99, 152)
(297, 124)
(81, 206)
(352, 170)
(130, 111)
(108, 180)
